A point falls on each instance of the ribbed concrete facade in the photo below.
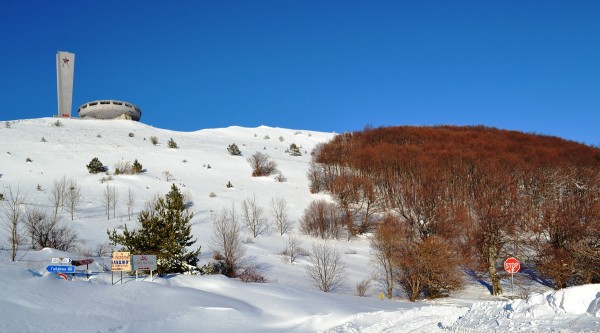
(109, 109)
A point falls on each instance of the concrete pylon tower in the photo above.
(65, 67)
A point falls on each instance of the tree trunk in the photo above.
(492, 257)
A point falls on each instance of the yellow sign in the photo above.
(121, 261)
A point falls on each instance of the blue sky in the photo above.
(330, 66)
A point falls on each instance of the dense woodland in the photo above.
(468, 197)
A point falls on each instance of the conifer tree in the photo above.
(136, 167)
(294, 150)
(95, 166)
(164, 231)
(233, 149)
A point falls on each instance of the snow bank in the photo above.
(575, 309)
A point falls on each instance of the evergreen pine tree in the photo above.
(95, 166)
(294, 150)
(233, 149)
(136, 167)
(172, 143)
(164, 231)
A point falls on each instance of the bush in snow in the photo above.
(95, 166)
(261, 165)
(294, 150)
(326, 268)
(234, 150)
(136, 167)
(172, 144)
(46, 231)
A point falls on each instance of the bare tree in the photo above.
(47, 232)
(385, 242)
(279, 211)
(168, 175)
(253, 216)
(130, 202)
(292, 249)
(226, 240)
(73, 196)
(150, 205)
(109, 198)
(114, 200)
(58, 193)
(321, 219)
(13, 210)
(326, 268)
(261, 165)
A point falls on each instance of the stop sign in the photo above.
(512, 265)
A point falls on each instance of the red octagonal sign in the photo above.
(512, 265)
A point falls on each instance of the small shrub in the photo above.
(154, 140)
(136, 167)
(131, 135)
(261, 165)
(362, 286)
(229, 185)
(267, 137)
(28, 160)
(294, 150)
(105, 179)
(43, 139)
(98, 136)
(57, 123)
(212, 195)
(103, 250)
(213, 268)
(234, 150)
(168, 175)
(280, 178)
(208, 166)
(124, 168)
(1, 197)
(252, 274)
(95, 166)
(39, 188)
(7, 124)
(281, 139)
(172, 144)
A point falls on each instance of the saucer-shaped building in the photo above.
(109, 109)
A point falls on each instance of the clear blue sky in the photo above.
(330, 66)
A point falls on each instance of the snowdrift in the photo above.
(568, 310)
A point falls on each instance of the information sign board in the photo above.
(121, 261)
(61, 269)
(144, 262)
(61, 260)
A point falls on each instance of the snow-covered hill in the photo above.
(36, 152)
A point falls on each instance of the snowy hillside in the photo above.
(35, 153)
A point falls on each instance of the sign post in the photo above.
(61, 269)
(144, 262)
(121, 261)
(512, 265)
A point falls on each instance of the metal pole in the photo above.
(512, 283)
